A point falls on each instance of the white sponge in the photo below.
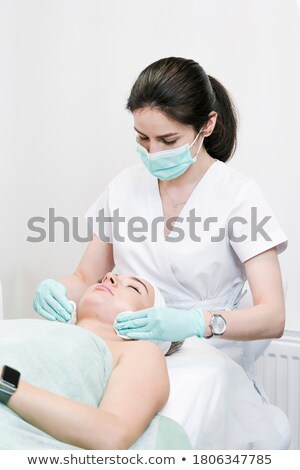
(72, 320)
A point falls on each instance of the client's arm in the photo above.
(137, 390)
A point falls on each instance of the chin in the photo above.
(92, 302)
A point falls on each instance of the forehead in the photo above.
(154, 120)
(130, 278)
(149, 287)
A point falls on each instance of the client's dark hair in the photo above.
(175, 346)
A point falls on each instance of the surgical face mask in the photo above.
(168, 164)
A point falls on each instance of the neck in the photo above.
(104, 330)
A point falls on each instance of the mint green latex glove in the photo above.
(50, 301)
(161, 324)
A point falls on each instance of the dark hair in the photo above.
(175, 346)
(182, 90)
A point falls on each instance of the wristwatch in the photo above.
(9, 382)
(217, 325)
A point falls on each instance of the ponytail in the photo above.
(221, 144)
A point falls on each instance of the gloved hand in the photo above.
(161, 324)
(51, 302)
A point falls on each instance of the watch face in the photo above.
(218, 324)
(11, 376)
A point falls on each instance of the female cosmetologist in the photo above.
(214, 228)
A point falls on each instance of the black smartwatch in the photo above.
(9, 382)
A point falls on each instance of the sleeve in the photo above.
(252, 226)
(99, 218)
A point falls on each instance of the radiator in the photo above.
(279, 369)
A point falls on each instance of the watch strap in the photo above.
(5, 394)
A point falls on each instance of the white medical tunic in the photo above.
(225, 222)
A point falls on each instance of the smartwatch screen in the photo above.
(11, 376)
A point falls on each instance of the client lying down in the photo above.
(84, 385)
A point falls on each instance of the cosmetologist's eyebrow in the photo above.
(159, 136)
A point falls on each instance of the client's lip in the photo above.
(101, 287)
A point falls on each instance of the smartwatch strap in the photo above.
(5, 395)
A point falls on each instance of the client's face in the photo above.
(115, 294)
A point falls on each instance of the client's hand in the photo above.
(51, 302)
(161, 324)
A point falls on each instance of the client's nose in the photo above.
(110, 278)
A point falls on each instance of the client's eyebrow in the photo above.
(136, 279)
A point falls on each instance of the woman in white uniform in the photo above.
(184, 219)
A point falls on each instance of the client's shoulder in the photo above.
(147, 359)
(136, 352)
(141, 352)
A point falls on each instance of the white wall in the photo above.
(10, 242)
(76, 62)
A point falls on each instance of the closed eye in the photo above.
(135, 288)
(163, 141)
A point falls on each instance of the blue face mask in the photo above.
(168, 164)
